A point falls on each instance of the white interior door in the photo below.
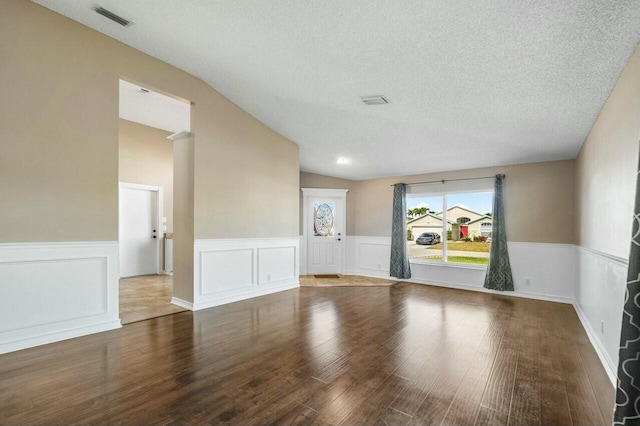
(325, 234)
(139, 233)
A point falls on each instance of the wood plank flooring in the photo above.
(145, 297)
(401, 355)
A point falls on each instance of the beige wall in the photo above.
(146, 157)
(59, 114)
(606, 169)
(183, 235)
(312, 180)
(248, 188)
(539, 200)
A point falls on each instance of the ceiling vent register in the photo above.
(374, 100)
(115, 18)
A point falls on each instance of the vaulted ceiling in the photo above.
(470, 83)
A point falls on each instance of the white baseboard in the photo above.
(469, 288)
(56, 291)
(229, 270)
(223, 300)
(608, 364)
(182, 303)
(556, 281)
(499, 293)
(57, 336)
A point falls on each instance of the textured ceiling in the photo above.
(471, 83)
(153, 109)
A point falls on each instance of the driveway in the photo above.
(416, 250)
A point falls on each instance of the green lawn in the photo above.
(463, 246)
(459, 259)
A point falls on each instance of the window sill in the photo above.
(448, 264)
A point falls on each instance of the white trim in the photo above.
(609, 366)
(524, 243)
(229, 270)
(182, 303)
(63, 244)
(140, 186)
(245, 242)
(444, 231)
(159, 214)
(250, 294)
(602, 281)
(183, 134)
(617, 259)
(521, 294)
(57, 336)
(323, 192)
(369, 256)
(69, 268)
(447, 264)
(458, 286)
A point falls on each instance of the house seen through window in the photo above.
(453, 228)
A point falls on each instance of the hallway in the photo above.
(145, 297)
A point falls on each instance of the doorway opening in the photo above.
(149, 121)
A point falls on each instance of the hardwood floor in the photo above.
(401, 355)
(145, 297)
(345, 281)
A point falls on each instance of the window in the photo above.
(453, 227)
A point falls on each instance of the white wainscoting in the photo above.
(56, 291)
(228, 270)
(599, 301)
(549, 268)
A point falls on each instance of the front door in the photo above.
(464, 231)
(325, 234)
(138, 231)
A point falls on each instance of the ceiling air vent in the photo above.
(115, 18)
(374, 100)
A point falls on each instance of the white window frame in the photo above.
(443, 194)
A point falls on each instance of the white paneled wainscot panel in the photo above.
(368, 256)
(540, 271)
(225, 269)
(228, 270)
(599, 301)
(56, 291)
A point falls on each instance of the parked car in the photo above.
(428, 238)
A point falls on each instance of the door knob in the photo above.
(339, 239)
(155, 236)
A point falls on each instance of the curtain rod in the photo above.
(452, 180)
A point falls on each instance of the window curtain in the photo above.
(499, 269)
(627, 409)
(400, 267)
